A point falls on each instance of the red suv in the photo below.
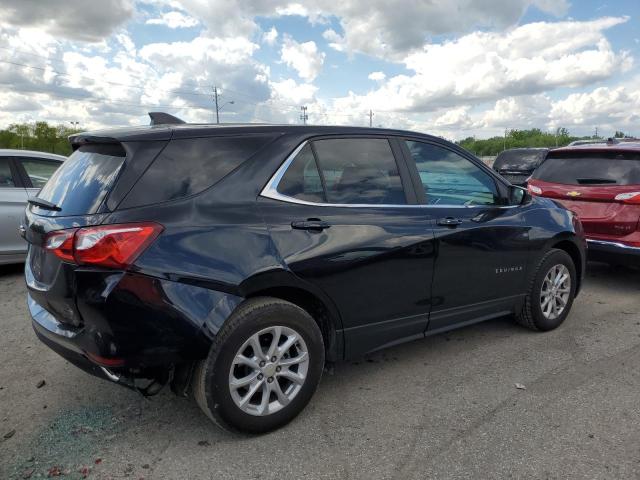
(601, 184)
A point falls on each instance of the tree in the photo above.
(619, 134)
(39, 136)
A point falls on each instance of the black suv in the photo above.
(518, 164)
(233, 262)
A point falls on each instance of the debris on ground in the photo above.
(55, 471)
(520, 386)
(84, 471)
(204, 443)
(9, 434)
(98, 461)
(41, 384)
(27, 473)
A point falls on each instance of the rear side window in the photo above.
(39, 171)
(83, 181)
(359, 171)
(189, 166)
(6, 178)
(595, 168)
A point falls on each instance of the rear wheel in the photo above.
(551, 292)
(263, 367)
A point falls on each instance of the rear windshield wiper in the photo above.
(594, 181)
(39, 202)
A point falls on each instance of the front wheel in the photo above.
(551, 292)
(263, 367)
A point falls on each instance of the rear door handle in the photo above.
(449, 222)
(310, 224)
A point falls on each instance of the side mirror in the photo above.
(518, 195)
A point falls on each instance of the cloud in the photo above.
(174, 19)
(304, 58)
(377, 76)
(386, 28)
(485, 66)
(83, 20)
(270, 37)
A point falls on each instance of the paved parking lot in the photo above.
(444, 407)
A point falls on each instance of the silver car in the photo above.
(22, 174)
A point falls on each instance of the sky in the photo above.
(453, 68)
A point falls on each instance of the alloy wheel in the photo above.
(268, 370)
(556, 288)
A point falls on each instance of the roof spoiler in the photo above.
(161, 118)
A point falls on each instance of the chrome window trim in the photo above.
(605, 243)
(271, 191)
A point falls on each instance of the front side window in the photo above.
(359, 171)
(449, 178)
(39, 171)
(6, 178)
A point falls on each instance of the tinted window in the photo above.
(359, 170)
(450, 179)
(82, 182)
(188, 166)
(302, 179)
(6, 178)
(520, 159)
(39, 171)
(584, 168)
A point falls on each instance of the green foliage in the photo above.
(619, 134)
(518, 139)
(38, 136)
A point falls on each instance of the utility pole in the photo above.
(303, 116)
(370, 118)
(505, 139)
(596, 132)
(215, 99)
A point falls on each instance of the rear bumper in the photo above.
(131, 326)
(613, 252)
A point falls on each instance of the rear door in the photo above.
(481, 243)
(343, 215)
(587, 182)
(13, 199)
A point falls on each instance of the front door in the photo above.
(482, 244)
(343, 217)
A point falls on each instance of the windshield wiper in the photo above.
(594, 181)
(39, 202)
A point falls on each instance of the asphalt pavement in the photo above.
(443, 407)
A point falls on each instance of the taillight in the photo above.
(632, 198)
(61, 244)
(534, 190)
(112, 246)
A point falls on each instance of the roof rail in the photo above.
(161, 118)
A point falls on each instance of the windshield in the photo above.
(80, 185)
(585, 168)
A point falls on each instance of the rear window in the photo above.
(519, 159)
(586, 168)
(189, 166)
(82, 182)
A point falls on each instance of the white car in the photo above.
(22, 174)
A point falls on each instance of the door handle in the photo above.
(310, 224)
(449, 222)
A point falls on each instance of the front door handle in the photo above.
(449, 222)
(310, 224)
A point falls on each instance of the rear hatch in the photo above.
(73, 197)
(598, 185)
(518, 164)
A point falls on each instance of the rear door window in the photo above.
(6, 177)
(189, 166)
(83, 181)
(302, 179)
(39, 170)
(591, 168)
(359, 171)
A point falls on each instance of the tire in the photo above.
(532, 315)
(263, 318)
